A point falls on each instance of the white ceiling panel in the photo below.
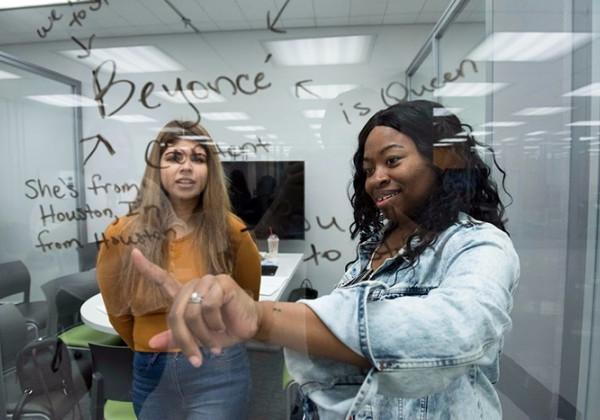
(331, 8)
(333, 21)
(428, 17)
(368, 8)
(295, 9)
(437, 5)
(227, 10)
(400, 18)
(257, 9)
(366, 20)
(298, 23)
(405, 6)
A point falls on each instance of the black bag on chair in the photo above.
(45, 375)
(305, 291)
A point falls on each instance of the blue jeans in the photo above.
(166, 386)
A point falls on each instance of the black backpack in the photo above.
(44, 371)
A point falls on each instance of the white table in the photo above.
(93, 311)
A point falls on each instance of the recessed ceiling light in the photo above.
(492, 124)
(139, 59)
(315, 126)
(593, 89)
(584, 124)
(22, 4)
(320, 51)
(195, 96)
(7, 75)
(443, 112)
(246, 128)
(322, 91)
(528, 46)
(536, 133)
(314, 113)
(225, 116)
(67, 100)
(468, 89)
(543, 110)
(132, 118)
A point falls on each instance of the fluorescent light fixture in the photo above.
(468, 89)
(320, 51)
(225, 116)
(195, 96)
(195, 138)
(493, 124)
(508, 139)
(584, 124)
(315, 126)
(544, 110)
(246, 127)
(314, 113)
(536, 133)
(452, 140)
(588, 138)
(139, 59)
(528, 46)
(530, 139)
(318, 135)
(444, 112)
(133, 118)
(442, 145)
(322, 91)
(7, 75)
(593, 89)
(68, 100)
(474, 133)
(531, 147)
(271, 136)
(22, 4)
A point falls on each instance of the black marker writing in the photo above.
(40, 189)
(332, 223)
(48, 246)
(300, 85)
(50, 215)
(271, 25)
(331, 254)
(100, 139)
(87, 48)
(54, 17)
(107, 187)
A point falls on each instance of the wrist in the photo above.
(263, 311)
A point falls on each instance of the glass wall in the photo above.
(530, 93)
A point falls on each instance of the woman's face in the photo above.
(184, 171)
(399, 179)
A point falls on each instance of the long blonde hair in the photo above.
(210, 220)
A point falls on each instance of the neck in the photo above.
(183, 210)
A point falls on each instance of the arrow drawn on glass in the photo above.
(99, 139)
(271, 25)
(300, 85)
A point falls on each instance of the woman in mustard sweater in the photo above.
(182, 222)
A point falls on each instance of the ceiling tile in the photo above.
(257, 9)
(366, 20)
(438, 5)
(331, 8)
(295, 9)
(367, 8)
(333, 21)
(400, 18)
(221, 10)
(404, 6)
(428, 17)
(298, 23)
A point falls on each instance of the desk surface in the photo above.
(93, 311)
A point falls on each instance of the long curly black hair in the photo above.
(466, 188)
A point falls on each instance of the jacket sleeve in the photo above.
(418, 345)
(109, 269)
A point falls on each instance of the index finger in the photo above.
(153, 272)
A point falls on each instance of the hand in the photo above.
(226, 316)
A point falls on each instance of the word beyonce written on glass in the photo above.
(193, 92)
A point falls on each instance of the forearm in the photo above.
(296, 326)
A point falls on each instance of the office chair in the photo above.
(15, 279)
(13, 337)
(111, 382)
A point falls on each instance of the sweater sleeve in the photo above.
(247, 266)
(109, 271)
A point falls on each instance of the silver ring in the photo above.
(195, 297)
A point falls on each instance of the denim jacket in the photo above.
(432, 332)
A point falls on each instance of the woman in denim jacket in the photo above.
(415, 327)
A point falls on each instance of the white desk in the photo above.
(93, 311)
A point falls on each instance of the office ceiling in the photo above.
(151, 17)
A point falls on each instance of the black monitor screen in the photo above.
(268, 195)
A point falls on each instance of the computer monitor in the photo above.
(268, 196)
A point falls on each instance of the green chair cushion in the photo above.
(81, 335)
(118, 410)
(286, 377)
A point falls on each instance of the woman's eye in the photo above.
(393, 160)
(198, 157)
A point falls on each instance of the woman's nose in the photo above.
(381, 176)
